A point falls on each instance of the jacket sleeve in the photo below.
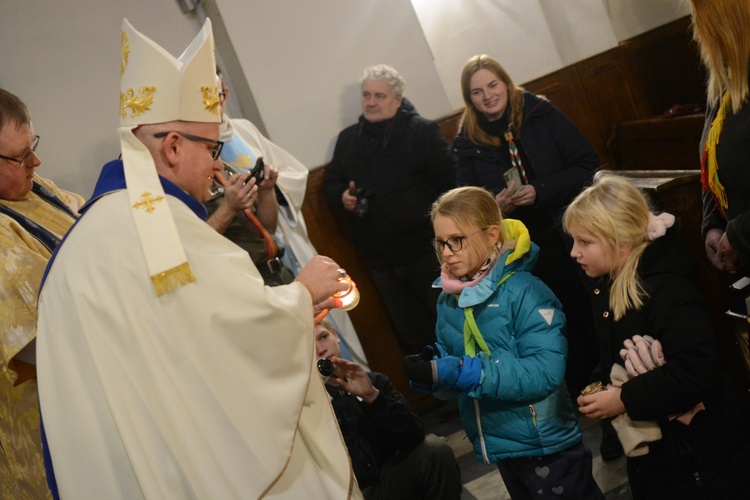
(712, 218)
(465, 173)
(682, 325)
(556, 140)
(441, 162)
(534, 367)
(738, 233)
(337, 178)
(398, 429)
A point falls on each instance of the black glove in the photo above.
(420, 367)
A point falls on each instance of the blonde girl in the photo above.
(646, 289)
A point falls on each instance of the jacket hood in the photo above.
(406, 110)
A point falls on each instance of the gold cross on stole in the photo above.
(148, 202)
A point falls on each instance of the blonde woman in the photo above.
(646, 290)
(721, 30)
(535, 161)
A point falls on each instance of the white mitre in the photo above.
(155, 87)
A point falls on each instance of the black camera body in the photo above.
(363, 202)
(258, 172)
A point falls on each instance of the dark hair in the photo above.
(13, 111)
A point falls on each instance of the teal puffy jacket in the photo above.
(521, 407)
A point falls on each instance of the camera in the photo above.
(363, 202)
(325, 367)
(258, 172)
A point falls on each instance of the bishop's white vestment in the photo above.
(207, 391)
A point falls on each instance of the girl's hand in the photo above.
(604, 404)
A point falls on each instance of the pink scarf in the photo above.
(451, 284)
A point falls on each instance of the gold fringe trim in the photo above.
(172, 279)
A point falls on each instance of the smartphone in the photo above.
(511, 175)
(258, 172)
(740, 295)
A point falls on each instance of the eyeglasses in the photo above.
(215, 151)
(454, 243)
(22, 162)
(222, 97)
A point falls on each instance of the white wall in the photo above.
(301, 59)
(62, 58)
(532, 38)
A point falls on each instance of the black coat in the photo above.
(733, 156)
(562, 160)
(375, 432)
(716, 445)
(403, 164)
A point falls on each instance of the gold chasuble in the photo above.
(24, 259)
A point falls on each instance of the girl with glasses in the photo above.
(501, 351)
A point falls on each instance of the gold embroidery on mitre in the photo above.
(138, 104)
(242, 161)
(148, 202)
(211, 99)
(173, 278)
(125, 54)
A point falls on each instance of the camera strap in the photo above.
(271, 245)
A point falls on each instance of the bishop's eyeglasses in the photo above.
(215, 151)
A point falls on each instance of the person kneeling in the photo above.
(390, 453)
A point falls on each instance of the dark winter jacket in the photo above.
(403, 165)
(562, 160)
(675, 314)
(733, 157)
(375, 432)
(716, 444)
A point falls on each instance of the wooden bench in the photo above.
(657, 143)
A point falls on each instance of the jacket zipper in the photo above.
(533, 415)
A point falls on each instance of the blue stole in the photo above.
(45, 237)
(238, 154)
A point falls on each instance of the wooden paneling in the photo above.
(657, 143)
(668, 65)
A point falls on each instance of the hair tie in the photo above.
(658, 225)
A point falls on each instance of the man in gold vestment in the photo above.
(34, 215)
